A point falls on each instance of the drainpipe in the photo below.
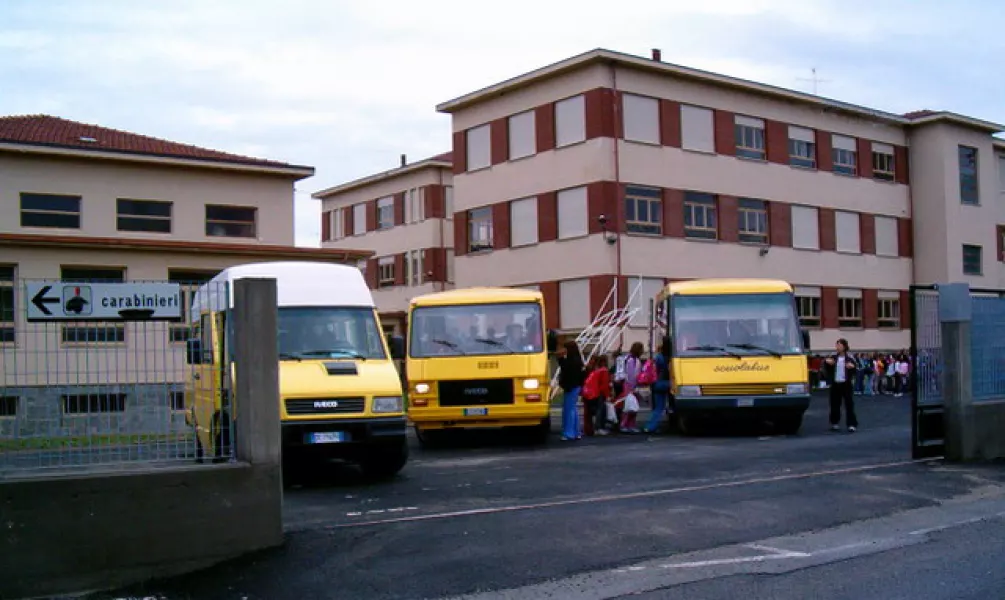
(442, 284)
(619, 209)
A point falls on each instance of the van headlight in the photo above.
(689, 391)
(531, 384)
(387, 404)
(795, 388)
(422, 388)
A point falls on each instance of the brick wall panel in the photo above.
(901, 165)
(499, 144)
(547, 216)
(905, 238)
(399, 208)
(828, 229)
(867, 225)
(729, 219)
(829, 307)
(461, 234)
(371, 215)
(670, 123)
(500, 226)
(601, 199)
(776, 136)
(460, 153)
(870, 309)
(673, 213)
(326, 225)
(725, 132)
(780, 224)
(544, 125)
(599, 113)
(552, 317)
(434, 197)
(864, 151)
(825, 151)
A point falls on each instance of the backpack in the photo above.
(590, 389)
(647, 376)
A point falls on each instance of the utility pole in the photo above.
(814, 80)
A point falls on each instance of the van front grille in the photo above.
(743, 389)
(476, 392)
(325, 406)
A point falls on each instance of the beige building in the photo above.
(404, 217)
(82, 202)
(606, 168)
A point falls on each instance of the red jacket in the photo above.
(598, 384)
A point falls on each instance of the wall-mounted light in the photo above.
(609, 236)
(763, 251)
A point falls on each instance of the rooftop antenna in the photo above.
(813, 79)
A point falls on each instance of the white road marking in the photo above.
(777, 551)
(636, 495)
(381, 511)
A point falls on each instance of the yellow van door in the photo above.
(206, 382)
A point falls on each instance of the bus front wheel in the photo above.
(789, 424)
(383, 463)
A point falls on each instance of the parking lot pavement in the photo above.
(501, 516)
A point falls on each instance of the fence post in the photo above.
(256, 366)
(955, 315)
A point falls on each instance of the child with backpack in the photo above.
(596, 391)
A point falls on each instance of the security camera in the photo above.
(602, 219)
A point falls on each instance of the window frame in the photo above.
(757, 209)
(749, 130)
(636, 196)
(641, 119)
(211, 222)
(980, 259)
(566, 229)
(850, 313)
(838, 165)
(578, 136)
(41, 212)
(518, 127)
(385, 213)
(798, 208)
(189, 287)
(386, 275)
(120, 216)
(814, 320)
(115, 330)
(709, 204)
(9, 283)
(481, 134)
(884, 167)
(480, 222)
(888, 310)
(359, 219)
(523, 231)
(802, 153)
(969, 176)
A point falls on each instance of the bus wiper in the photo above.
(290, 356)
(707, 348)
(350, 353)
(756, 347)
(449, 344)
(492, 342)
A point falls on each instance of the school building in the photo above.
(80, 202)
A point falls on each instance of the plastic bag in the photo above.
(631, 403)
(612, 413)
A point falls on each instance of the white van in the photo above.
(340, 392)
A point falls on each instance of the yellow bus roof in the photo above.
(477, 295)
(724, 286)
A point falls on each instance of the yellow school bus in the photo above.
(478, 358)
(737, 351)
(340, 393)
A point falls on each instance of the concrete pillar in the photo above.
(955, 316)
(256, 367)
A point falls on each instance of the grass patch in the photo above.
(90, 441)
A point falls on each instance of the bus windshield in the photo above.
(329, 332)
(476, 329)
(736, 324)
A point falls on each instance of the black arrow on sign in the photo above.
(40, 300)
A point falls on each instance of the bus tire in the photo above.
(429, 438)
(539, 433)
(385, 462)
(686, 424)
(789, 424)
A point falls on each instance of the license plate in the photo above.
(745, 402)
(475, 412)
(327, 437)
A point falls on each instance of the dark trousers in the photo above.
(843, 393)
(592, 416)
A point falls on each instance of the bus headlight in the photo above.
(387, 404)
(688, 391)
(531, 384)
(422, 388)
(795, 388)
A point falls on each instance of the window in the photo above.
(882, 162)
(177, 401)
(338, 224)
(574, 303)
(523, 222)
(848, 232)
(844, 153)
(190, 282)
(8, 406)
(7, 312)
(86, 404)
(749, 137)
(230, 221)
(753, 221)
(359, 218)
(887, 242)
(972, 259)
(696, 129)
(522, 139)
(699, 216)
(889, 310)
(479, 147)
(480, 229)
(802, 147)
(643, 209)
(808, 306)
(413, 263)
(570, 121)
(805, 228)
(968, 175)
(572, 213)
(153, 216)
(385, 271)
(385, 212)
(450, 265)
(448, 201)
(106, 333)
(415, 205)
(50, 210)
(642, 119)
(849, 309)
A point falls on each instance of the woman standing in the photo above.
(661, 387)
(570, 379)
(841, 369)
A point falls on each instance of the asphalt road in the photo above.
(738, 514)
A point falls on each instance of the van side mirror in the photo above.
(193, 351)
(552, 340)
(397, 344)
(806, 340)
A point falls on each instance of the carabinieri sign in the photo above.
(65, 301)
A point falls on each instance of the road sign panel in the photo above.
(77, 301)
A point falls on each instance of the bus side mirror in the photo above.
(806, 340)
(193, 352)
(397, 344)
(552, 340)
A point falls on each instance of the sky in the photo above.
(349, 86)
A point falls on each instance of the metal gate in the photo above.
(927, 409)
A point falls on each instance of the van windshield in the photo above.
(329, 332)
(736, 324)
(476, 329)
